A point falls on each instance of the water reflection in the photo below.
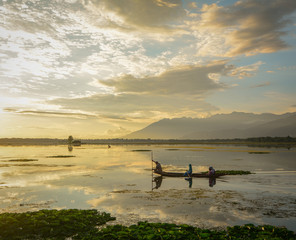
(189, 181)
(212, 181)
(70, 148)
(157, 180)
(118, 180)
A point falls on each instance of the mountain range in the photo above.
(221, 126)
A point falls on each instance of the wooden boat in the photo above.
(204, 175)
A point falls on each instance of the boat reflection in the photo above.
(157, 181)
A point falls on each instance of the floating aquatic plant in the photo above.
(83, 224)
(61, 156)
(51, 224)
(22, 160)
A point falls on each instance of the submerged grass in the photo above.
(83, 224)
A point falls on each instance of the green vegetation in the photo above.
(51, 224)
(83, 224)
(22, 160)
(155, 231)
(231, 172)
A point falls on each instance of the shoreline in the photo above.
(285, 142)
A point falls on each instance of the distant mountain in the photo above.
(222, 126)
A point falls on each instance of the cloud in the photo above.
(244, 71)
(136, 107)
(121, 63)
(261, 85)
(178, 92)
(142, 15)
(250, 26)
(192, 80)
(118, 132)
(50, 113)
(53, 45)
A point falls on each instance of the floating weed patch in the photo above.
(34, 165)
(52, 224)
(255, 152)
(144, 230)
(22, 160)
(61, 156)
(231, 172)
(141, 150)
(126, 191)
(83, 224)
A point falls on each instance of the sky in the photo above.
(106, 68)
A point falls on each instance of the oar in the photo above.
(152, 170)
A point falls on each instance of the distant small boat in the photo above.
(204, 175)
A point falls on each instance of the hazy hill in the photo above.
(233, 125)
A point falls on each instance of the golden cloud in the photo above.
(251, 26)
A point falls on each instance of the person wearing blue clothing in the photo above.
(189, 172)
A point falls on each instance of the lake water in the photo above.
(118, 180)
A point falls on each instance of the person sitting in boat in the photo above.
(189, 172)
(211, 172)
(158, 168)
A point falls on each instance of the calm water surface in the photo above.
(119, 180)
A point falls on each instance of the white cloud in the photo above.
(117, 132)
